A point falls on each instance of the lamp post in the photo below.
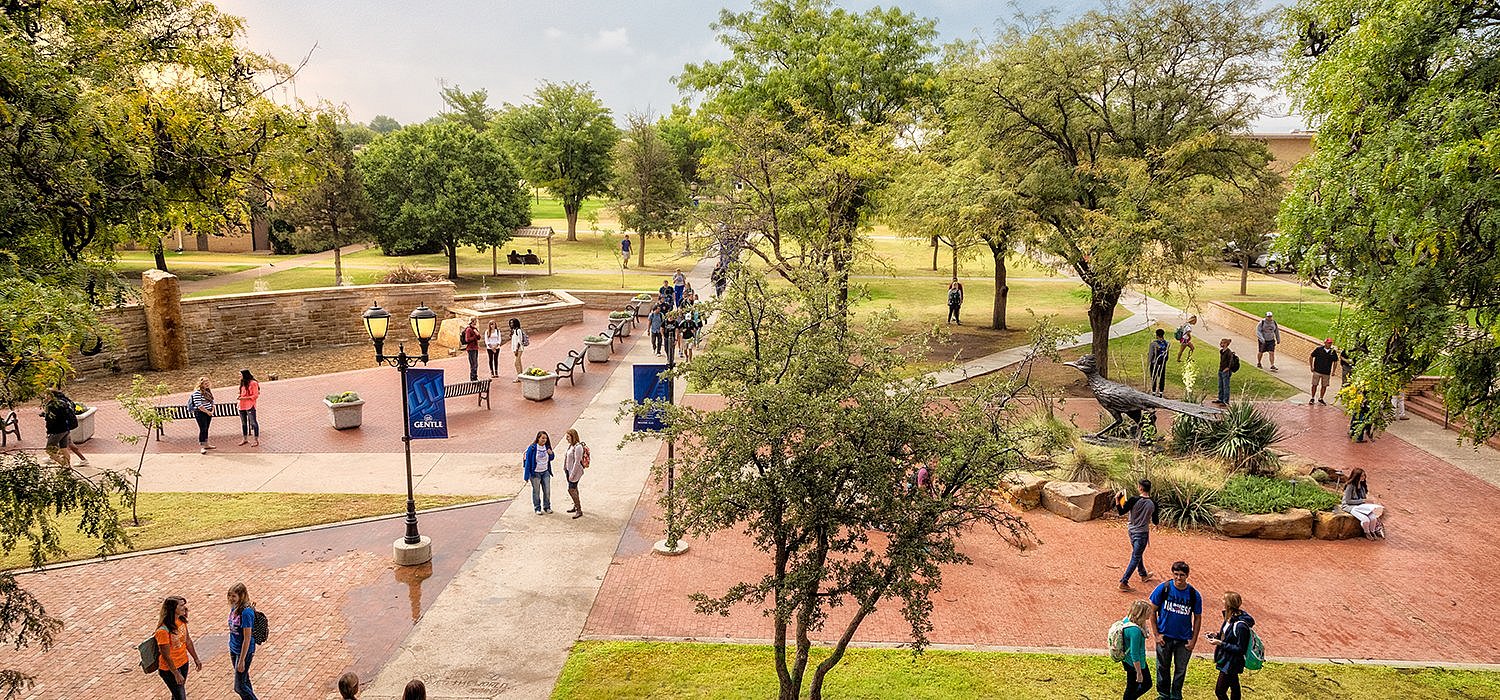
(413, 549)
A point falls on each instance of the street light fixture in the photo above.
(413, 549)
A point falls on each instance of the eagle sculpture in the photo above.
(1121, 400)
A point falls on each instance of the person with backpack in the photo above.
(61, 418)
(518, 343)
(202, 404)
(1184, 336)
(1268, 335)
(1232, 645)
(656, 320)
(174, 645)
(470, 339)
(537, 470)
(241, 639)
(1229, 363)
(955, 300)
(1177, 617)
(1127, 645)
(1143, 514)
(575, 460)
(1156, 363)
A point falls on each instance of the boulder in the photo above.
(1025, 489)
(1295, 524)
(1337, 525)
(1076, 501)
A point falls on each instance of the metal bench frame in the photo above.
(10, 426)
(481, 387)
(221, 410)
(566, 368)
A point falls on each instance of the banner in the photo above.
(650, 385)
(424, 403)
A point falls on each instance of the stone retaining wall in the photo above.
(1295, 345)
(607, 299)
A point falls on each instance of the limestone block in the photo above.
(1295, 524)
(166, 336)
(1074, 500)
(1336, 525)
(1025, 489)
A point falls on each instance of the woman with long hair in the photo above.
(573, 466)
(349, 686)
(537, 466)
(241, 639)
(517, 344)
(1231, 643)
(1137, 671)
(174, 646)
(1357, 502)
(493, 341)
(414, 691)
(249, 394)
(202, 403)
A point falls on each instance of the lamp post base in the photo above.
(662, 548)
(413, 554)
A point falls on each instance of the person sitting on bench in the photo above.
(514, 258)
(531, 258)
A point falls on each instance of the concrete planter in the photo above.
(642, 307)
(538, 388)
(625, 324)
(597, 350)
(85, 429)
(345, 415)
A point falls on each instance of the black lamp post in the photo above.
(423, 326)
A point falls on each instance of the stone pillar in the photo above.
(166, 340)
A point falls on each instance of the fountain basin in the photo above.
(539, 311)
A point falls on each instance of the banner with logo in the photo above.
(651, 385)
(424, 403)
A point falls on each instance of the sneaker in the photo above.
(577, 515)
(539, 512)
(1321, 402)
(1148, 577)
(1125, 588)
(1397, 418)
(203, 450)
(1274, 369)
(1309, 402)
(548, 511)
(210, 447)
(1257, 366)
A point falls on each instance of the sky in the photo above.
(391, 56)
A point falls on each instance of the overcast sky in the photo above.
(390, 56)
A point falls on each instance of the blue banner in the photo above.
(424, 403)
(651, 385)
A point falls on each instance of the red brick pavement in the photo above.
(293, 419)
(1422, 594)
(335, 602)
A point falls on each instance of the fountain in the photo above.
(538, 311)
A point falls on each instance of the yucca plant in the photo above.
(1186, 492)
(1243, 438)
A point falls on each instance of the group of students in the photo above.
(349, 688)
(201, 401)
(1174, 614)
(536, 469)
(494, 341)
(674, 313)
(175, 647)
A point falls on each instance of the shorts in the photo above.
(1320, 380)
(573, 485)
(1185, 341)
(1268, 346)
(60, 440)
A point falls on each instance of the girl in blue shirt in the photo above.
(241, 639)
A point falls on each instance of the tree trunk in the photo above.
(640, 252)
(1244, 273)
(338, 262)
(1002, 293)
(452, 261)
(1101, 315)
(158, 252)
(572, 211)
(934, 253)
(955, 261)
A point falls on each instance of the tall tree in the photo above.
(1245, 218)
(328, 204)
(563, 139)
(1400, 193)
(684, 132)
(471, 109)
(383, 125)
(1122, 117)
(444, 183)
(648, 184)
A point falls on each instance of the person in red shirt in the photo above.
(470, 339)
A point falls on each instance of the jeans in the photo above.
(473, 364)
(1137, 556)
(1159, 375)
(1136, 688)
(494, 354)
(953, 312)
(677, 295)
(541, 490)
(242, 680)
(203, 420)
(248, 424)
(1169, 682)
(657, 341)
(1224, 386)
(1228, 687)
(177, 690)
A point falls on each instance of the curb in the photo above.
(242, 538)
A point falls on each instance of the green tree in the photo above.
(383, 125)
(328, 204)
(648, 187)
(139, 403)
(1118, 120)
(1245, 218)
(358, 134)
(442, 183)
(684, 133)
(813, 456)
(563, 139)
(1400, 193)
(471, 109)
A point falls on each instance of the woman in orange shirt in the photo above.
(249, 393)
(174, 646)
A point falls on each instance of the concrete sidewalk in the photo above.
(440, 473)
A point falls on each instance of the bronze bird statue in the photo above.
(1121, 400)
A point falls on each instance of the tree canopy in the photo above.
(563, 139)
(649, 193)
(328, 202)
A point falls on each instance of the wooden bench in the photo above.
(10, 426)
(519, 259)
(566, 368)
(221, 410)
(478, 386)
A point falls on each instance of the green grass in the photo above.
(196, 257)
(598, 670)
(1316, 319)
(592, 251)
(1259, 494)
(889, 255)
(919, 304)
(552, 208)
(1127, 364)
(131, 270)
(1225, 286)
(169, 519)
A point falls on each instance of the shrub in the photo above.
(1186, 493)
(1044, 435)
(536, 372)
(1097, 465)
(643, 296)
(618, 315)
(1258, 494)
(346, 397)
(1242, 438)
(406, 274)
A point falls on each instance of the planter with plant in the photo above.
(622, 320)
(345, 410)
(642, 305)
(597, 348)
(537, 384)
(85, 429)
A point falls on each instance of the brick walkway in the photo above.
(1420, 595)
(335, 601)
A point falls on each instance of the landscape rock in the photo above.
(1025, 489)
(1337, 525)
(1075, 501)
(1295, 524)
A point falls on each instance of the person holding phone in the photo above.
(1231, 643)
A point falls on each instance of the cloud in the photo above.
(611, 40)
(552, 33)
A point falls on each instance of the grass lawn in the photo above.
(890, 255)
(131, 270)
(1224, 285)
(682, 670)
(169, 519)
(592, 251)
(1316, 319)
(197, 257)
(545, 207)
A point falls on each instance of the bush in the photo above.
(1242, 438)
(1186, 492)
(1258, 494)
(406, 274)
(346, 397)
(619, 315)
(1098, 465)
(536, 372)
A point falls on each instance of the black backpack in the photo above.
(261, 628)
(1234, 363)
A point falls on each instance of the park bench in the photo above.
(515, 258)
(10, 426)
(221, 410)
(566, 368)
(478, 386)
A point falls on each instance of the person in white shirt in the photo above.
(573, 466)
(1185, 337)
(1267, 336)
(517, 343)
(493, 341)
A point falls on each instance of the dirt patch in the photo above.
(226, 371)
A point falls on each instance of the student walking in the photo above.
(1321, 363)
(1184, 336)
(241, 639)
(1268, 335)
(575, 460)
(518, 343)
(470, 339)
(493, 341)
(625, 251)
(1231, 643)
(1177, 612)
(1142, 510)
(1156, 363)
(202, 403)
(665, 292)
(679, 283)
(537, 464)
(249, 394)
(61, 418)
(174, 645)
(656, 320)
(1137, 671)
(955, 300)
(1229, 363)
(349, 686)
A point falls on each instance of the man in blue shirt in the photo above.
(625, 251)
(1177, 615)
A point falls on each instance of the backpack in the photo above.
(525, 340)
(1177, 334)
(954, 296)
(1234, 363)
(261, 628)
(585, 455)
(1116, 638)
(150, 655)
(1255, 653)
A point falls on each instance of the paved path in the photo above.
(279, 264)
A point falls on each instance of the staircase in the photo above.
(1423, 399)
